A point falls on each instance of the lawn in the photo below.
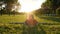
(7, 28)
(47, 25)
(22, 18)
(12, 18)
(51, 24)
(47, 19)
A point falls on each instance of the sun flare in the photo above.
(30, 5)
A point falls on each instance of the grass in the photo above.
(19, 29)
(47, 19)
(48, 25)
(11, 29)
(12, 18)
(22, 18)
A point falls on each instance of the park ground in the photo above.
(48, 24)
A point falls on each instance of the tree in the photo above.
(10, 4)
(2, 6)
(58, 11)
(49, 7)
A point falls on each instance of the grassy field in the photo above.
(51, 24)
(47, 19)
(7, 28)
(12, 18)
(22, 18)
(47, 25)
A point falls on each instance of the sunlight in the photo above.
(30, 5)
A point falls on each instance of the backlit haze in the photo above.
(30, 5)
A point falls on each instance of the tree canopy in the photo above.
(50, 7)
(8, 6)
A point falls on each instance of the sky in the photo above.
(30, 5)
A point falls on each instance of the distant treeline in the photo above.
(49, 7)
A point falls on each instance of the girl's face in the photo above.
(30, 17)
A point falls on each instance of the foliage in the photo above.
(49, 7)
(9, 6)
(58, 11)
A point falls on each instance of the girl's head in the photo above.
(30, 17)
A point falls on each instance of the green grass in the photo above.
(11, 28)
(47, 19)
(12, 18)
(19, 29)
(22, 18)
(52, 25)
